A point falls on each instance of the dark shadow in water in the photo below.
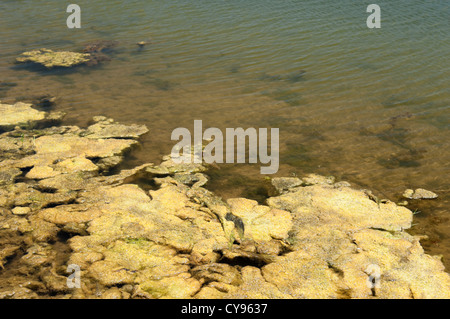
(396, 100)
(393, 134)
(44, 71)
(5, 87)
(297, 156)
(235, 68)
(290, 97)
(141, 72)
(311, 132)
(269, 77)
(276, 121)
(139, 50)
(41, 102)
(296, 76)
(292, 77)
(403, 159)
(367, 66)
(430, 219)
(64, 80)
(160, 84)
(396, 136)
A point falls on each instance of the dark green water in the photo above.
(371, 106)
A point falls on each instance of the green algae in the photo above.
(51, 59)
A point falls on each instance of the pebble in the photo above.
(402, 203)
(142, 43)
(21, 210)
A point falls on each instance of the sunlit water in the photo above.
(370, 106)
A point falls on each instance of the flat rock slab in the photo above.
(23, 115)
(106, 129)
(19, 114)
(52, 149)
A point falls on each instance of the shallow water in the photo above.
(368, 106)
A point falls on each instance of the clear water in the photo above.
(372, 106)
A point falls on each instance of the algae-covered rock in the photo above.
(66, 146)
(50, 58)
(261, 223)
(284, 184)
(169, 166)
(19, 114)
(419, 193)
(315, 179)
(68, 153)
(106, 128)
(351, 233)
(98, 51)
(100, 45)
(301, 275)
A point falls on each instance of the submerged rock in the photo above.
(169, 166)
(98, 51)
(284, 184)
(419, 193)
(106, 128)
(142, 43)
(50, 58)
(44, 101)
(8, 175)
(100, 46)
(314, 179)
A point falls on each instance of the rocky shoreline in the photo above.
(155, 231)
